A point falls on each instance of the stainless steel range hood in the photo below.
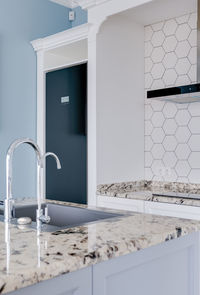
(186, 93)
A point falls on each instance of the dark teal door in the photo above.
(66, 132)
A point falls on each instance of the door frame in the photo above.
(42, 47)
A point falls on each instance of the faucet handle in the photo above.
(42, 216)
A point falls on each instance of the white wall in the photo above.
(120, 101)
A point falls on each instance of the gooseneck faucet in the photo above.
(44, 218)
(9, 201)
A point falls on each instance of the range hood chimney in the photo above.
(186, 93)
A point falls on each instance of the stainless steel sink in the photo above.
(64, 216)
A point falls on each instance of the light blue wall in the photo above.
(80, 17)
(20, 22)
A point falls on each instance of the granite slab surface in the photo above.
(144, 190)
(29, 258)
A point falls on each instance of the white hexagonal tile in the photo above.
(194, 109)
(183, 179)
(193, 38)
(194, 125)
(157, 119)
(170, 60)
(157, 135)
(157, 105)
(156, 167)
(157, 54)
(182, 19)
(183, 134)
(148, 127)
(193, 73)
(170, 127)
(182, 168)
(148, 33)
(157, 84)
(183, 65)
(182, 49)
(193, 21)
(148, 143)
(192, 56)
(158, 151)
(183, 31)
(182, 151)
(148, 49)
(170, 44)
(170, 143)
(148, 80)
(157, 26)
(183, 117)
(170, 159)
(169, 110)
(148, 159)
(170, 27)
(148, 64)
(183, 80)
(157, 38)
(158, 71)
(148, 174)
(172, 177)
(194, 176)
(148, 112)
(194, 160)
(182, 106)
(170, 77)
(194, 142)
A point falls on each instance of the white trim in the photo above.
(63, 38)
(67, 65)
(42, 46)
(85, 4)
(67, 3)
(41, 108)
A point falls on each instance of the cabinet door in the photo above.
(171, 268)
(173, 210)
(120, 203)
(75, 283)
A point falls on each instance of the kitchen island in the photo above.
(149, 253)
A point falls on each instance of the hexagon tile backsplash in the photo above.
(172, 131)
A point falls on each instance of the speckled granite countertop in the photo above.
(34, 259)
(143, 190)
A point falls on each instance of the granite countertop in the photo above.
(144, 190)
(36, 258)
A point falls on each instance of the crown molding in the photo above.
(62, 38)
(67, 3)
(85, 4)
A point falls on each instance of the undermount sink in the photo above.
(64, 216)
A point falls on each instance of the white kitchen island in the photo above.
(134, 254)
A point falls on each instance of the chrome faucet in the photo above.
(44, 218)
(41, 217)
(9, 201)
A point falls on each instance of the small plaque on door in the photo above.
(65, 99)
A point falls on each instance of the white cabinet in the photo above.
(173, 210)
(157, 208)
(169, 268)
(74, 283)
(120, 203)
